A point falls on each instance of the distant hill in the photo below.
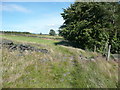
(14, 32)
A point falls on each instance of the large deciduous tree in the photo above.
(91, 24)
(52, 32)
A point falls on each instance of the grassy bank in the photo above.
(62, 67)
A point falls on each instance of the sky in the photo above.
(34, 17)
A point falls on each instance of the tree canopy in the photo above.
(52, 32)
(91, 24)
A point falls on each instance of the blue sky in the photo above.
(34, 17)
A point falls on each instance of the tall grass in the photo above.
(61, 68)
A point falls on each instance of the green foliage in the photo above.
(52, 32)
(40, 33)
(91, 24)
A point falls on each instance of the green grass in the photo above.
(61, 68)
(29, 39)
(48, 36)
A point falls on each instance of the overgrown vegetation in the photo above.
(90, 25)
(63, 67)
(49, 61)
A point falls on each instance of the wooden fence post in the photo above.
(105, 51)
(108, 56)
(94, 48)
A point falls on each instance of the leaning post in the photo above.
(108, 56)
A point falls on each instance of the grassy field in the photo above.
(62, 67)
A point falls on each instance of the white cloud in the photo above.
(13, 7)
(42, 25)
(51, 25)
(36, 25)
(39, 24)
